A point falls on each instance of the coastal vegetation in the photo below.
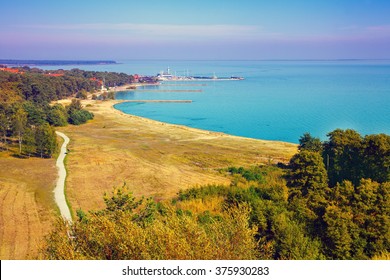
(266, 212)
(155, 159)
(27, 121)
(26, 112)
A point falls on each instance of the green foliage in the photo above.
(342, 151)
(252, 174)
(76, 114)
(292, 243)
(351, 217)
(29, 145)
(24, 106)
(45, 140)
(338, 232)
(202, 192)
(310, 143)
(254, 220)
(82, 94)
(4, 126)
(376, 157)
(57, 115)
(308, 174)
(20, 125)
(36, 115)
(368, 204)
(348, 156)
(123, 231)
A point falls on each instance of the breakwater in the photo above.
(168, 90)
(159, 101)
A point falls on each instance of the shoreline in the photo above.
(154, 158)
(217, 133)
(113, 102)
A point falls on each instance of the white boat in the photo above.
(165, 76)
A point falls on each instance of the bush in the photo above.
(80, 117)
(121, 231)
(77, 115)
(252, 174)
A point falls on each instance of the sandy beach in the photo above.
(153, 158)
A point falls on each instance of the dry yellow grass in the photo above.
(153, 158)
(27, 209)
(198, 205)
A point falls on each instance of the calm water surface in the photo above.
(278, 100)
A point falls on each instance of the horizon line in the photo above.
(190, 59)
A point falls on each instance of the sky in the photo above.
(180, 29)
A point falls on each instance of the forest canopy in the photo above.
(26, 113)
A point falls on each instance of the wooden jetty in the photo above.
(159, 101)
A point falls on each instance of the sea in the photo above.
(277, 100)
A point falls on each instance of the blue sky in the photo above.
(195, 29)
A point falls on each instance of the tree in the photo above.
(77, 115)
(57, 115)
(19, 126)
(368, 225)
(46, 140)
(35, 113)
(339, 240)
(376, 157)
(82, 94)
(310, 143)
(75, 105)
(308, 174)
(29, 147)
(4, 125)
(292, 243)
(343, 156)
(129, 228)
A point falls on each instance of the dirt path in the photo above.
(59, 191)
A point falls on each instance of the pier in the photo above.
(183, 85)
(168, 90)
(159, 101)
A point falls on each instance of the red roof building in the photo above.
(11, 70)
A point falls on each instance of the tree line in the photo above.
(26, 114)
(342, 186)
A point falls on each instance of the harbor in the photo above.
(168, 76)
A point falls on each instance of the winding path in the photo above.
(59, 191)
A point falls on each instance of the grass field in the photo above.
(27, 209)
(153, 158)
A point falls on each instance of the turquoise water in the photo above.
(278, 100)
